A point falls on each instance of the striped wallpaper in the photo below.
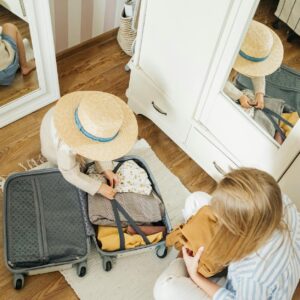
(75, 21)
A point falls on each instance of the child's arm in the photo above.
(70, 169)
(236, 95)
(106, 168)
(259, 86)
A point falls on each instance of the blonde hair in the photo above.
(249, 208)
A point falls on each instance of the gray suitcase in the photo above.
(46, 226)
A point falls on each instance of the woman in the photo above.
(88, 126)
(259, 232)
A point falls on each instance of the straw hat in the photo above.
(261, 53)
(96, 125)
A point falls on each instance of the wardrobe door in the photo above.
(178, 42)
(225, 120)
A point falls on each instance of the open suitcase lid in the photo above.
(45, 220)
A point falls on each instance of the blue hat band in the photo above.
(89, 135)
(252, 58)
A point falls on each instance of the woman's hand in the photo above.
(107, 191)
(111, 177)
(245, 101)
(192, 262)
(260, 101)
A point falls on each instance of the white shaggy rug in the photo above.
(132, 277)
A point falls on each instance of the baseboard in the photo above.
(100, 39)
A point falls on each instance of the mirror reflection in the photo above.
(265, 77)
(18, 75)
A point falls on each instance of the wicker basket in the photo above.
(126, 35)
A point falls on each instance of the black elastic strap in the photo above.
(117, 167)
(118, 223)
(279, 117)
(131, 222)
(275, 124)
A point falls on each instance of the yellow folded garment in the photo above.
(292, 118)
(110, 240)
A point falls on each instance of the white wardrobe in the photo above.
(184, 53)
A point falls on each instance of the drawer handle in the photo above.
(219, 169)
(158, 109)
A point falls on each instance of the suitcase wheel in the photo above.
(81, 269)
(107, 264)
(18, 281)
(161, 251)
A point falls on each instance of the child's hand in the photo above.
(260, 102)
(245, 101)
(107, 191)
(111, 177)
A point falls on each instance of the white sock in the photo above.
(28, 50)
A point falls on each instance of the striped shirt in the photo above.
(271, 273)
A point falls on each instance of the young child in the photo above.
(12, 54)
(258, 234)
(260, 55)
(88, 126)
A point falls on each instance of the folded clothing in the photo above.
(141, 208)
(133, 178)
(148, 229)
(110, 240)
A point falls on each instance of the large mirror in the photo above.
(28, 74)
(18, 75)
(265, 78)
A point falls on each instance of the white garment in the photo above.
(194, 202)
(133, 178)
(175, 284)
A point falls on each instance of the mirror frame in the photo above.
(39, 19)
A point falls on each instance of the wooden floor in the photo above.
(22, 85)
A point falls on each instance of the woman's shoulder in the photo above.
(291, 216)
(276, 253)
